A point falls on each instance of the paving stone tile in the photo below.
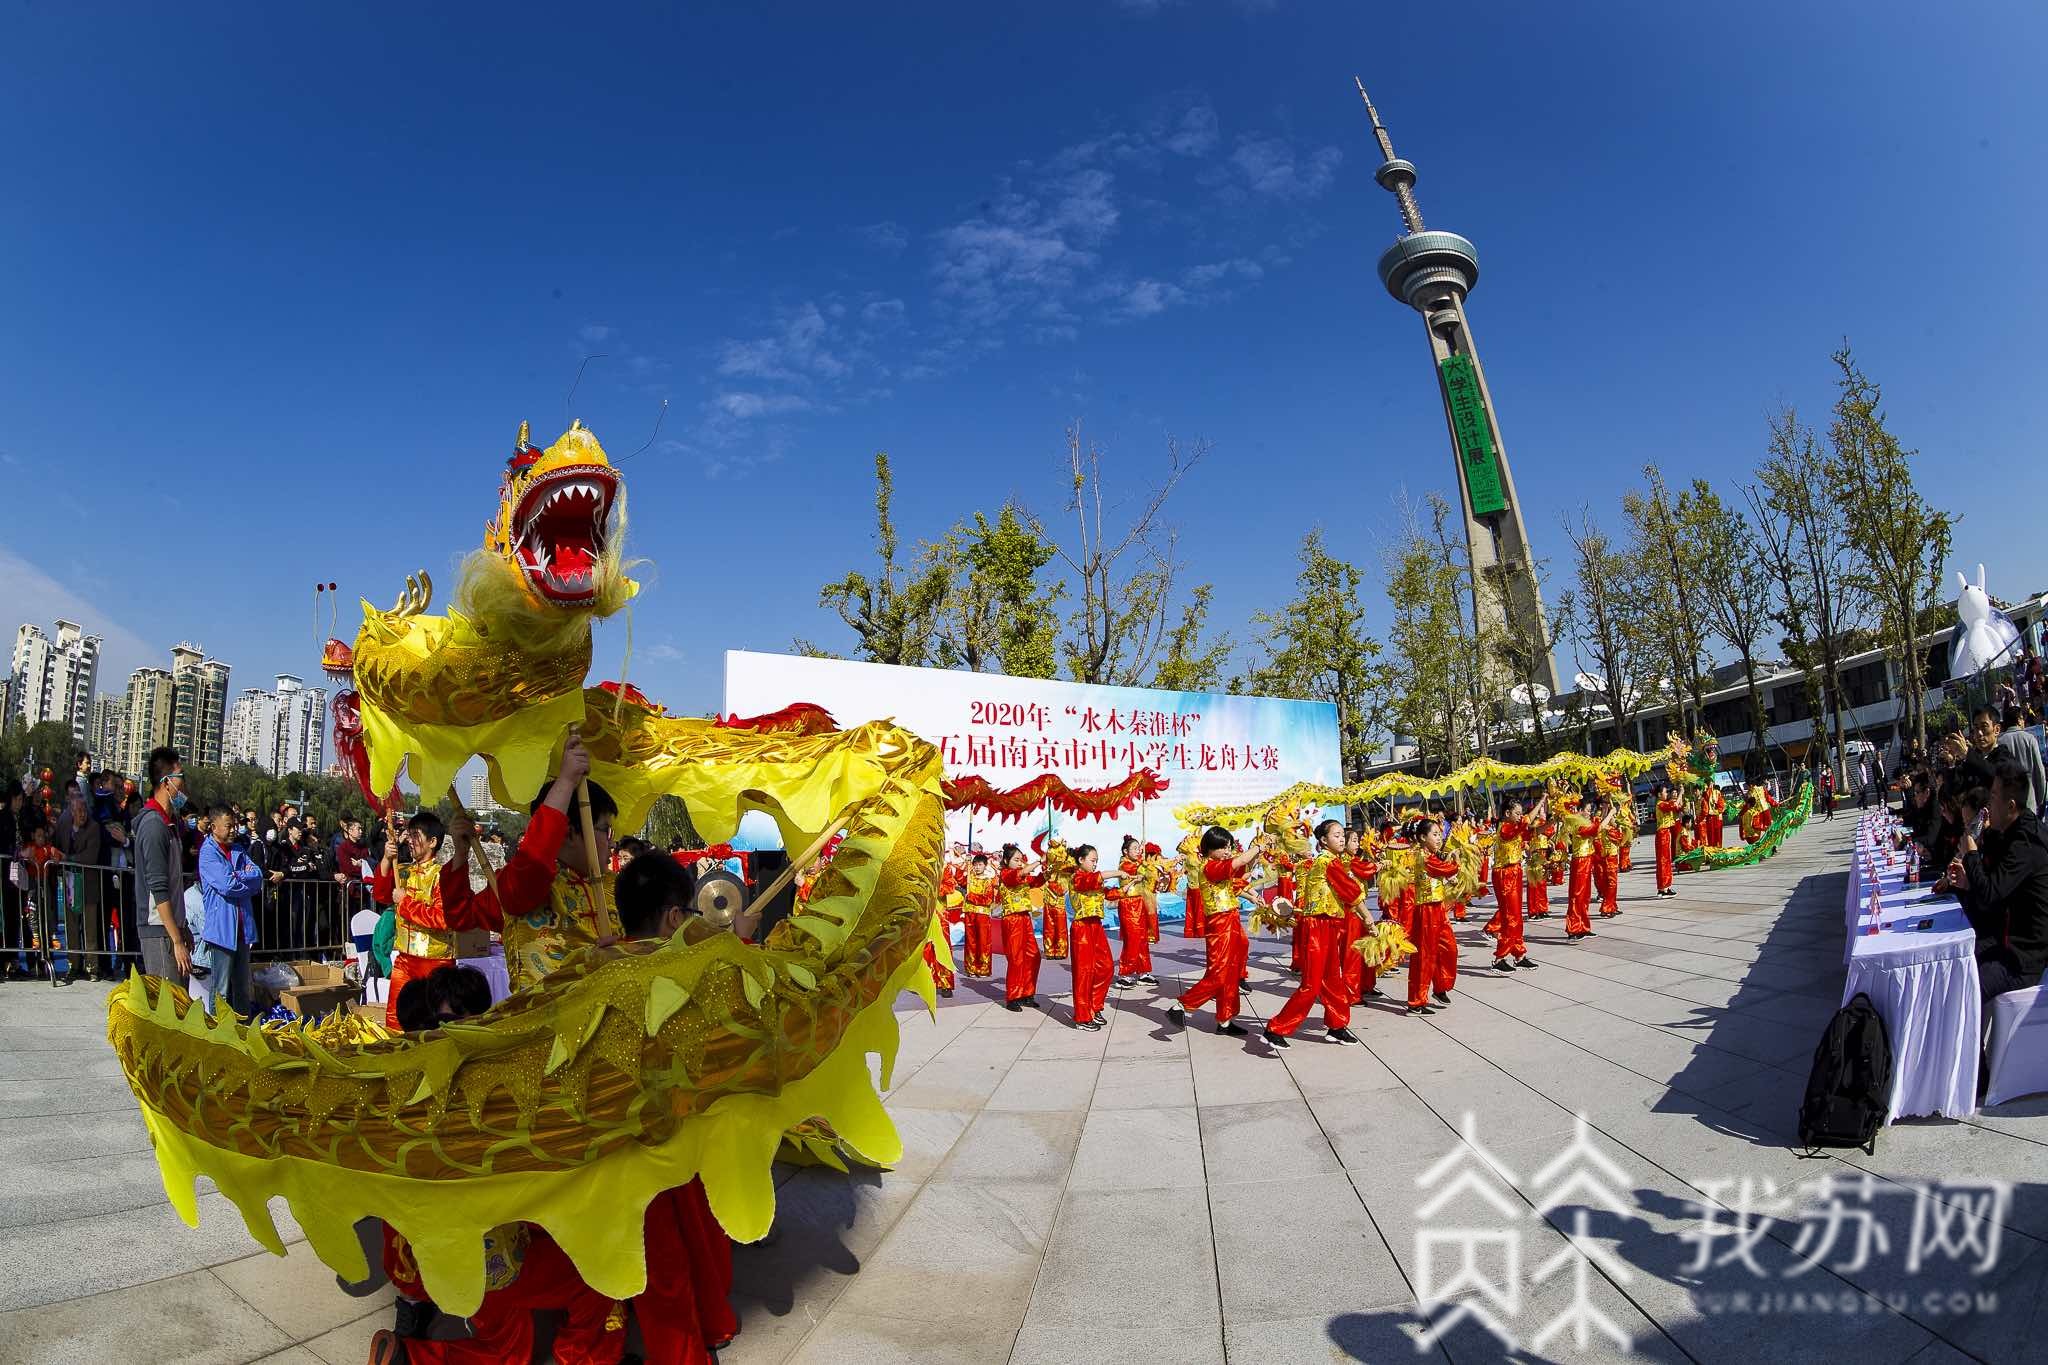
(1129, 1149)
(184, 1318)
(1090, 1279)
(296, 1292)
(962, 1338)
(1004, 1147)
(1047, 1085)
(1271, 1140)
(1144, 1083)
(1320, 1212)
(981, 1242)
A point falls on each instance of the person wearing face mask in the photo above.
(160, 869)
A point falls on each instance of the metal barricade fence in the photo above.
(79, 919)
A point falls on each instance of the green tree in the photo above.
(1126, 573)
(669, 825)
(893, 614)
(1193, 661)
(1732, 581)
(1607, 623)
(1432, 696)
(1803, 534)
(1666, 564)
(1317, 647)
(1898, 539)
(998, 615)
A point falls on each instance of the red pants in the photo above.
(1358, 978)
(1434, 943)
(1151, 922)
(1191, 925)
(942, 975)
(1403, 911)
(1606, 874)
(1578, 906)
(1091, 968)
(1557, 866)
(1136, 936)
(1627, 852)
(1020, 953)
(1055, 926)
(686, 1310)
(503, 1324)
(1710, 831)
(1322, 978)
(1665, 840)
(1507, 890)
(980, 946)
(1229, 950)
(405, 967)
(1536, 895)
(1300, 937)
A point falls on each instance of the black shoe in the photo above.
(1231, 1030)
(1125, 980)
(1032, 1001)
(1092, 1025)
(415, 1318)
(1441, 997)
(945, 992)
(1375, 994)
(1525, 964)
(1501, 964)
(1013, 1006)
(1275, 1039)
(1148, 979)
(1422, 1009)
(1342, 1035)
(1175, 1015)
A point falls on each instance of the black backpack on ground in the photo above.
(1849, 1092)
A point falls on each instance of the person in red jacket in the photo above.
(1435, 886)
(1669, 808)
(1586, 831)
(1329, 894)
(1536, 871)
(1133, 930)
(1020, 944)
(1229, 951)
(1360, 981)
(1088, 941)
(979, 946)
(1509, 949)
(1609, 856)
(432, 902)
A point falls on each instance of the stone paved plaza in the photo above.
(1147, 1193)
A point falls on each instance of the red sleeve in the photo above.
(528, 875)
(462, 908)
(1364, 869)
(1219, 869)
(1341, 881)
(384, 884)
(1440, 867)
(1087, 881)
(1013, 879)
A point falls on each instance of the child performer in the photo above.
(1149, 872)
(1506, 925)
(1020, 945)
(1584, 832)
(1669, 808)
(1090, 941)
(1713, 810)
(1059, 869)
(1328, 894)
(948, 912)
(1190, 850)
(1360, 980)
(1610, 853)
(1536, 874)
(1222, 931)
(979, 947)
(1135, 962)
(1437, 881)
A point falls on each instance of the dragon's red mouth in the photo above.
(560, 534)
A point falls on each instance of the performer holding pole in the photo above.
(1328, 893)
(1584, 833)
(1090, 942)
(1438, 879)
(1020, 945)
(1669, 808)
(1536, 875)
(1610, 851)
(979, 943)
(1135, 962)
(1229, 950)
(1509, 949)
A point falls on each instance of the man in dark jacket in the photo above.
(160, 871)
(2002, 878)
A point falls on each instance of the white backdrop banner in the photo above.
(1212, 748)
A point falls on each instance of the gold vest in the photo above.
(538, 942)
(421, 885)
(1088, 904)
(1508, 849)
(1014, 900)
(1316, 897)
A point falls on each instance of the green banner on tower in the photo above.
(1474, 435)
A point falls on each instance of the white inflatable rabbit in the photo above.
(1984, 637)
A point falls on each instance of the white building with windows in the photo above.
(54, 680)
(281, 732)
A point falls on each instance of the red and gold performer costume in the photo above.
(1056, 883)
(1668, 811)
(1713, 813)
(1150, 871)
(1583, 832)
(948, 911)
(1609, 852)
(1536, 871)
(1434, 878)
(1092, 965)
(1229, 951)
(432, 903)
(980, 942)
(525, 1273)
(1020, 945)
(1133, 931)
(1507, 890)
(1328, 893)
(1191, 925)
(1757, 813)
(1359, 979)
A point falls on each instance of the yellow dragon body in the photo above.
(629, 1070)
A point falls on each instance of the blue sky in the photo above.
(279, 285)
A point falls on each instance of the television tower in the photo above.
(1432, 272)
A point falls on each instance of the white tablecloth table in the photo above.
(492, 965)
(1922, 981)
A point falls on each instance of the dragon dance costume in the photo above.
(1020, 946)
(620, 1075)
(1133, 930)
(1092, 966)
(1330, 895)
(1229, 950)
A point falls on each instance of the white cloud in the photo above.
(665, 653)
(1194, 134)
(887, 235)
(1270, 166)
(795, 350)
(882, 312)
(743, 406)
(593, 332)
(27, 593)
(1203, 277)
(1025, 250)
(1148, 297)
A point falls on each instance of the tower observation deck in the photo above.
(1433, 272)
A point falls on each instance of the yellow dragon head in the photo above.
(556, 524)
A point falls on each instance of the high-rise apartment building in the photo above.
(199, 707)
(145, 718)
(54, 680)
(280, 732)
(103, 734)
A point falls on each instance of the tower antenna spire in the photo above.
(1395, 176)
